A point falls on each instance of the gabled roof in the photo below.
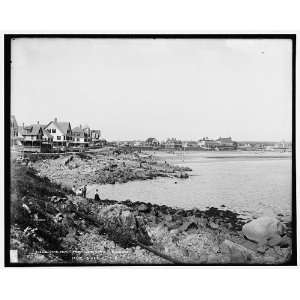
(47, 134)
(78, 129)
(31, 129)
(62, 126)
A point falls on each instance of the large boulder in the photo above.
(124, 226)
(264, 230)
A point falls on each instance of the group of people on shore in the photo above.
(82, 192)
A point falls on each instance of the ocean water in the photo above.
(252, 184)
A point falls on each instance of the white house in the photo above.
(80, 136)
(60, 131)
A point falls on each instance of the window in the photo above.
(58, 137)
(53, 130)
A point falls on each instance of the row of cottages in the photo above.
(64, 136)
(54, 135)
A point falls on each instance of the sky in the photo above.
(132, 89)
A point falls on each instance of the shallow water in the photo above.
(252, 184)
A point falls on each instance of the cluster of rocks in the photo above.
(105, 169)
(112, 232)
(212, 236)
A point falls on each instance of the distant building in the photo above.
(244, 146)
(208, 144)
(283, 145)
(138, 144)
(47, 137)
(95, 136)
(191, 145)
(61, 132)
(35, 138)
(32, 137)
(152, 142)
(80, 136)
(13, 126)
(225, 141)
(87, 133)
(14, 131)
(173, 144)
(226, 144)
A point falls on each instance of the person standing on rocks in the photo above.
(84, 191)
(97, 198)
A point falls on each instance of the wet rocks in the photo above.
(182, 175)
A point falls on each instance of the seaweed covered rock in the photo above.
(123, 226)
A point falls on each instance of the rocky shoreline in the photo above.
(50, 224)
(106, 167)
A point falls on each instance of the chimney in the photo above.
(55, 119)
(23, 124)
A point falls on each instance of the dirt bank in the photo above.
(51, 225)
(105, 168)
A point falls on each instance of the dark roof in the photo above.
(77, 129)
(31, 129)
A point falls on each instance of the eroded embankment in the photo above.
(49, 224)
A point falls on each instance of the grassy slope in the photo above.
(34, 225)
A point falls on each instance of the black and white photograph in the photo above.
(150, 149)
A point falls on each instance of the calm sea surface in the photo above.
(252, 184)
